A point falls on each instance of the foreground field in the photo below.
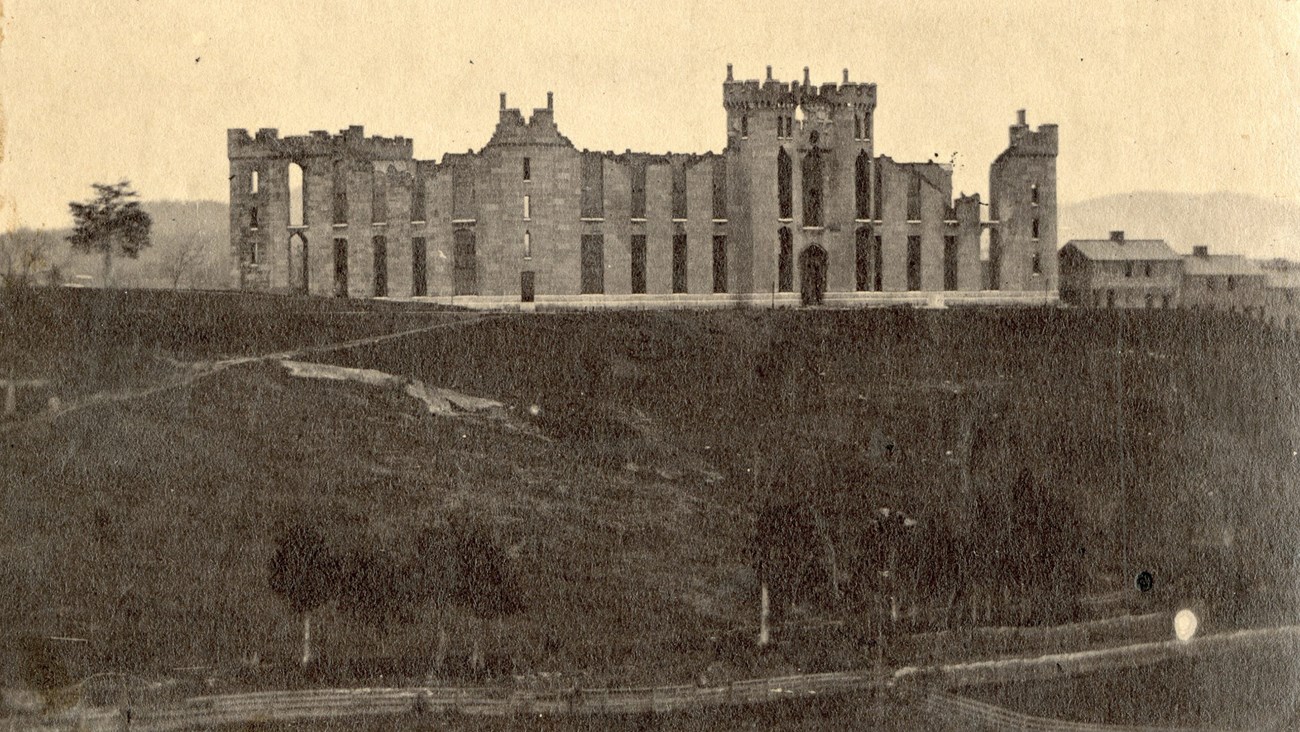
(624, 478)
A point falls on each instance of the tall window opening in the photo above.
(812, 188)
(379, 197)
(340, 193)
(462, 192)
(679, 263)
(593, 186)
(1037, 264)
(785, 262)
(254, 252)
(863, 259)
(719, 188)
(419, 267)
(527, 286)
(340, 267)
(418, 198)
(528, 208)
(593, 264)
(878, 264)
(638, 264)
(679, 191)
(528, 169)
(877, 193)
(784, 186)
(1033, 194)
(252, 218)
(297, 195)
(380, 248)
(465, 263)
(744, 125)
(914, 197)
(913, 262)
(1034, 229)
(719, 263)
(298, 269)
(995, 259)
(253, 182)
(950, 263)
(638, 189)
(862, 185)
(528, 245)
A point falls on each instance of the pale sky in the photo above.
(1183, 96)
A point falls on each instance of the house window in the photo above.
(1033, 194)
(528, 207)
(254, 252)
(1232, 283)
(1128, 269)
(1034, 227)
(1209, 284)
(1146, 269)
(1038, 263)
(528, 169)
(252, 217)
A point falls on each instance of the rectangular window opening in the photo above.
(679, 263)
(950, 263)
(638, 264)
(419, 267)
(913, 263)
(719, 264)
(593, 264)
(528, 169)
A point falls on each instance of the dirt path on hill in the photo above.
(927, 685)
(193, 371)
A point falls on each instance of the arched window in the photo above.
(297, 195)
(253, 182)
(785, 262)
(528, 245)
(340, 193)
(784, 192)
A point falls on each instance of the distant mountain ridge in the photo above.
(1228, 223)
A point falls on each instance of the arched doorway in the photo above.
(298, 277)
(812, 274)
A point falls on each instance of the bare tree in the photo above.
(24, 254)
(185, 262)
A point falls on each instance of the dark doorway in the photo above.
(812, 272)
(298, 277)
(465, 264)
(340, 268)
(527, 291)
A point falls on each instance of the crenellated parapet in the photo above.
(753, 94)
(1026, 141)
(351, 142)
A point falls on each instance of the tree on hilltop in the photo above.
(112, 222)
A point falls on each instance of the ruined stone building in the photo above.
(797, 209)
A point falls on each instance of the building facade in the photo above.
(797, 209)
(1120, 273)
(1224, 282)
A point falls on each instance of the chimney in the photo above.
(1201, 251)
(769, 73)
(729, 73)
(550, 99)
(1020, 117)
(1117, 237)
(503, 100)
(806, 82)
(846, 76)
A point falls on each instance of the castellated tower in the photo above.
(1022, 197)
(802, 157)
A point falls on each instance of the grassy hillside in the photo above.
(628, 503)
